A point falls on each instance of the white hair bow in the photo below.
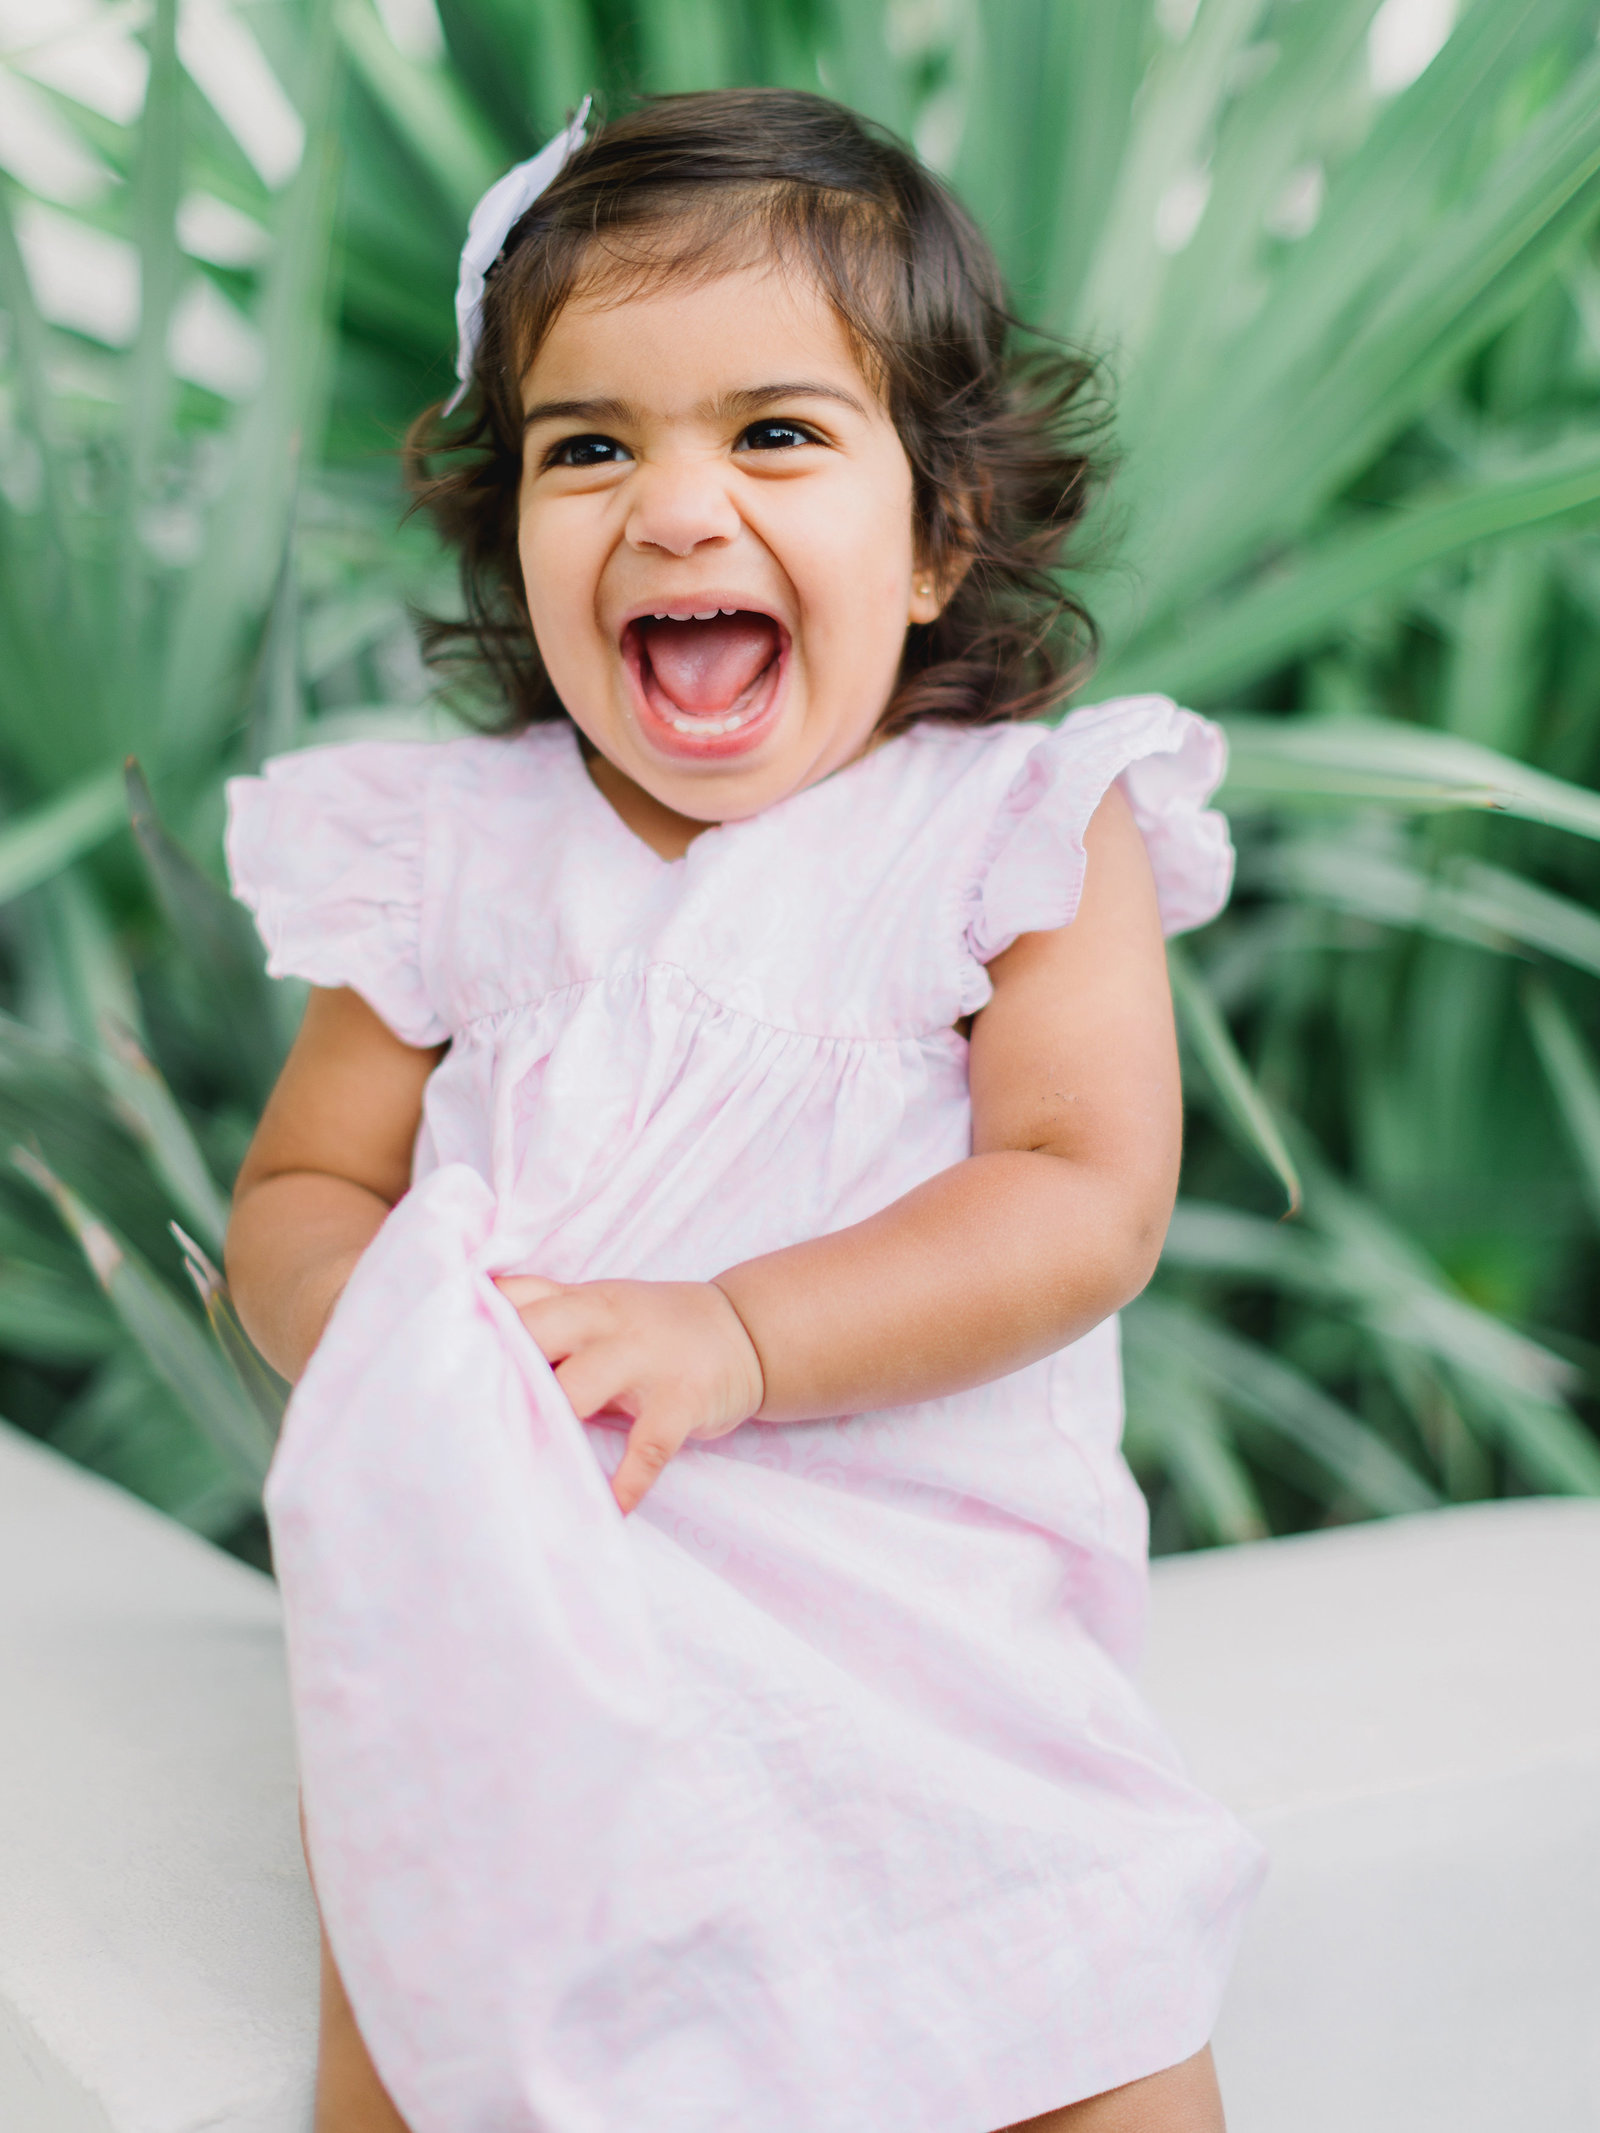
(500, 209)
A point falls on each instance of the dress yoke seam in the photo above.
(490, 1016)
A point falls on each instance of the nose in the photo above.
(680, 505)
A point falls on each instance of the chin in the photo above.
(715, 788)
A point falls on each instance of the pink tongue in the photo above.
(705, 667)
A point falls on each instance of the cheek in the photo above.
(557, 579)
(887, 545)
(868, 611)
(541, 561)
(858, 553)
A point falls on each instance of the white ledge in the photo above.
(1409, 1713)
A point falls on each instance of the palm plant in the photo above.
(143, 536)
(1353, 310)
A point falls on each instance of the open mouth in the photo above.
(707, 681)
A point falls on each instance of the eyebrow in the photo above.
(743, 402)
(754, 396)
(618, 411)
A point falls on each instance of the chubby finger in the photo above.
(520, 1289)
(648, 1451)
(593, 1380)
(563, 1322)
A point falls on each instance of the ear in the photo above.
(927, 598)
(932, 589)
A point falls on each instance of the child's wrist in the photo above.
(746, 1344)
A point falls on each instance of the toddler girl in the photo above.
(734, 1102)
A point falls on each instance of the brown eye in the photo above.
(586, 452)
(775, 437)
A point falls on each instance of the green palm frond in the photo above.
(1355, 332)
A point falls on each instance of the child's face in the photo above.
(705, 447)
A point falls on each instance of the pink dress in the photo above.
(815, 1797)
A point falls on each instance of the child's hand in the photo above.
(673, 1355)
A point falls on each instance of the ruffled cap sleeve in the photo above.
(326, 850)
(1030, 872)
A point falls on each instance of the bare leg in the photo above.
(1184, 2099)
(350, 2097)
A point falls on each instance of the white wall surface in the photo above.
(1408, 1713)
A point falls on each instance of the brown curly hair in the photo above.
(1004, 441)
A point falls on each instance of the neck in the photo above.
(667, 833)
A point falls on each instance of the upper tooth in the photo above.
(710, 615)
(662, 618)
(730, 610)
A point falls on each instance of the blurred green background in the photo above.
(1341, 257)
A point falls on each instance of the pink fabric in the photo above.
(815, 1796)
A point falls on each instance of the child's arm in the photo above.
(330, 1158)
(1057, 1219)
(1054, 1222)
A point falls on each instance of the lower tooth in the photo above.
(708, 726)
